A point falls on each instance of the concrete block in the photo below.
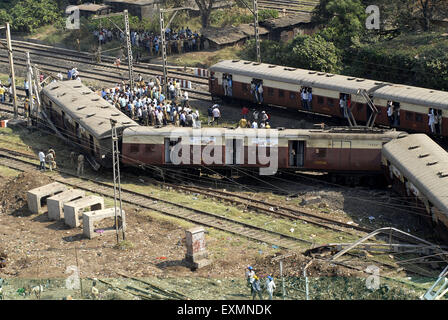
(56, 203)
(197, 254)
(91, 217)
(37, 197)
(74, 209)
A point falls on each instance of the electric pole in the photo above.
(257, 33)
(254, 11)
(127, 33)
(163, 36)
(11, 65)
(30, 84)
(128, 43)
(116, 170)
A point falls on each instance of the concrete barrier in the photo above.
(37, 197)
(74, 209)
(90, 218)
(56, 203)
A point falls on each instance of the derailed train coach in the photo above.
(267, 150)
(83, 118)
(417, 167)
(282, 86)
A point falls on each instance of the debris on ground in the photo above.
(13, 194)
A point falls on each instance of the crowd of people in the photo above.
(256, 286)
(257, 120)
(147, 105)
(180, 41)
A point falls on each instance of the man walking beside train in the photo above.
(42, 160)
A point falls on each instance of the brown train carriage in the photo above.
(417, 168)
(339, 150)
(282, 85)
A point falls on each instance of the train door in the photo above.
(234, 151)
(296, 151)
(169, 145)
(78, 133)
(91, 145)
(345, 104)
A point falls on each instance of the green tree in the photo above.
(4, 16)
(313, 52)
(27, 15)
(344, 21)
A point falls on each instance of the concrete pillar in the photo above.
(197, 254)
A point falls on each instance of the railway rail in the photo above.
(74, 56)
(10, 159)
(104, 73)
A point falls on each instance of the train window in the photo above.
(359, 106)
(418, 117)
(245, 87)
(134, 148)
(149, 148)
(409, 116)
(320, 100)
(292, 96)
(281, 93)
(271, 92)
(330, 102)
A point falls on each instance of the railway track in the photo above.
(107, 61)
(142, 289)
(53, 60)
(10, 159)
(273, 209)
(290, 6)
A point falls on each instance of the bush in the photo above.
(27, 15)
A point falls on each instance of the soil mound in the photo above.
(13, 196)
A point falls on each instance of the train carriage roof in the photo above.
(424, 163)
(83, 105)
(300, 134)
(345, 84)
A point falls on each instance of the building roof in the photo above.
(92, 7)
(429, 174)
(287, 21)
(345, 84)
(136, 2)
(231, 34)
(91, 111)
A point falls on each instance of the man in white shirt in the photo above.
(42, 160)
(270, 286)
(216, 115)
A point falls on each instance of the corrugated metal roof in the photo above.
(91, 111)
(423, 172)
(287, 21)
(345, 84)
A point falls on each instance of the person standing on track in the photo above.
(80, 170)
